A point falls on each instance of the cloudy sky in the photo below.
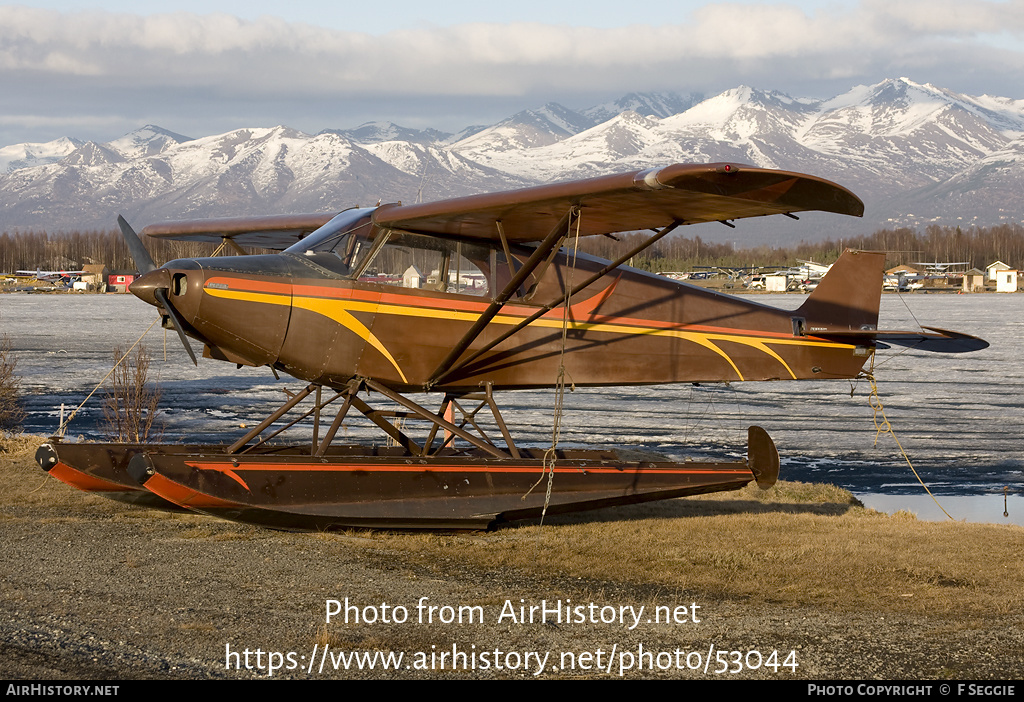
(96, 70)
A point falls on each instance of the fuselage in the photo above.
(392, 305)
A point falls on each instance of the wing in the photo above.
(686, 193)
(276, 232)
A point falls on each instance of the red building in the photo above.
(118, 281)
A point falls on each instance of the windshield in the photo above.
(338, 244)
(327, 237)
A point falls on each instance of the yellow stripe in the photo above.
(341, 312)
(328, 308)
(344, 317)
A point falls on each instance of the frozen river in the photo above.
(960, 417)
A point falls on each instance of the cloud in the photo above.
(948, 17)
(208, 62)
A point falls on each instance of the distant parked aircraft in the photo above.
(52, 276)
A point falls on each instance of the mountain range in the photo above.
(915, 153)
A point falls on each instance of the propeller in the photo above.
(172, 314)
(145, 264)
(136, 249)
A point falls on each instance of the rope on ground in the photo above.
(64, 424)
(884, 427)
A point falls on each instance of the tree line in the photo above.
(979, 246)
(71, 250)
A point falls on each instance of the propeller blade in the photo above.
(137, 251)
(161, 296)
(145, 264)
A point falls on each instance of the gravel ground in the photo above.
(95, 589)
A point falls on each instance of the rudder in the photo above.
(848, 296)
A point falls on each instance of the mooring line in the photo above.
(884, 426)
(64, 425)
(900, 296)
(550, 455)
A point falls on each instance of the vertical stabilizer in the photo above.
(847, 297)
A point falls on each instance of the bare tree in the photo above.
(131, 409)
(11, 412)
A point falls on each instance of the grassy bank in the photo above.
(95, 588)
(796, 544)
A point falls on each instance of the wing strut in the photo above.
(550, 243)
(504, 247)
(233, 245)
(439, 421)
(561, 300)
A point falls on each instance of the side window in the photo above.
(430, 263)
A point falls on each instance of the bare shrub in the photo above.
(11, 412)
(131, 409)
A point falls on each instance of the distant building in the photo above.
(974, 280)
(118, 281)
(993, 269)
(413, 278)
(1006, 281)
(93, 278)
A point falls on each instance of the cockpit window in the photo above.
(339, 244)
(344, 246)
(430, 263)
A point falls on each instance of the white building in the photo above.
(412, 278)
(1006, 281)
(993, 269)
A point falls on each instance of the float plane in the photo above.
(460, 300)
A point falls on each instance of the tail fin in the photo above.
(847, 298)
(844, 307)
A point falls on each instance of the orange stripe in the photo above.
(230, 468)
(251, 285)
(185, 496)
(83, 481)
(584, 307)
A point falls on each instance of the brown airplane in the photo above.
(463, 298)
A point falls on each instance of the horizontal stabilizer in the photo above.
(935, 339)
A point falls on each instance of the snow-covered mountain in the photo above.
(373, 132)
(915, 153)
(147, 141)
(646, 104)
(528, 129)
(19, 156)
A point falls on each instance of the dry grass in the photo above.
(23, 482)
(795, 545)
(20, 445)
(800, 544)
